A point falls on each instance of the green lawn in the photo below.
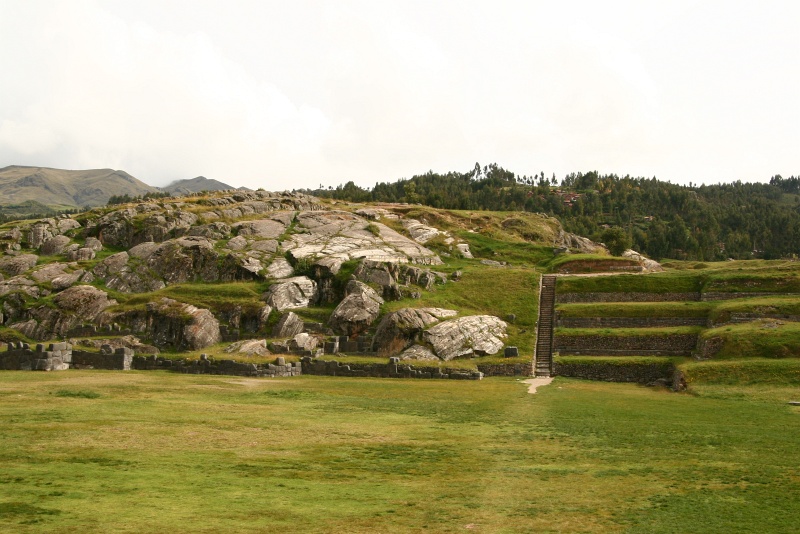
(92, 451)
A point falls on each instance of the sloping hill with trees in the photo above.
(663, 220)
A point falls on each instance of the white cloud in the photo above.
(282, 95)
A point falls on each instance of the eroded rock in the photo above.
(289, 325)
(292, 293)
(16, 265)
(180, 325)
(403, 328)
(465, 336)
(357, 311)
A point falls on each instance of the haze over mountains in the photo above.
(84, 188)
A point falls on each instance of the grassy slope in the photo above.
(757, 339)
(154, 452)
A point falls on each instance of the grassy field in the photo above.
(93, 451)
(637, 309)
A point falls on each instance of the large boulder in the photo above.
(54, 245)
(14, 265)
(289, 325)
(403, 328)
(181, 326)
(250, 347)
(466, 336)
(357, 311)
(292, 293)
(648, 265)
(419, 353)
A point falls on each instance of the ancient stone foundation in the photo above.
(636, 372)
(20, 357)
(61, 356)
(393, 369)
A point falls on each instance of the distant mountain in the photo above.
(59, 187)
(201, 183)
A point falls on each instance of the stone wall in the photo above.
(628, 322)
(666, 345)
(721, 295)
(569, 298)
(119, 359)
(392, 369)
(506, 369)
(21, 357)
(206, 366)
(637, 372)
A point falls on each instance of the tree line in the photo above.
(663, 220)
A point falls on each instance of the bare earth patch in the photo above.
(534, 383)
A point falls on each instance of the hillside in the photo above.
(59, 187)
(254, 274)
(663, 220)
(195, 185)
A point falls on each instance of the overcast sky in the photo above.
(291, 94)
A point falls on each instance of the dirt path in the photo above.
(534, 383)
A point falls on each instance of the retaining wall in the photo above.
(628, 322)
(600, 345)
(569, 298)
(392, 369)
(206, 366)
(21, 357)
(640, 373)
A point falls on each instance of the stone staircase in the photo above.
(544, 330)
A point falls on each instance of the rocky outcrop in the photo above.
(420, 232)
(357, 311)
(648, 265)
(289, 325)
(466, 336)
(291, 293)
(182, 326)
(576, 243)
(54, 245)
(348, 236)
(19, 284)
(76, 305)
(18, 264)
(418, 352)
(250, 347)
(401, 329)
(135, 277)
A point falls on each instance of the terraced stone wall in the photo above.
(628, 322)
(600, 345)
(636, 372)
(571, 298)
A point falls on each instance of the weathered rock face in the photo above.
(357, 311)
(74, 306)
(420, 353)
(303, 342)
(289, 325)
(128, 278)
(475, 334)
(54, 245)
(150, 266)
(401, 329)
(420, 232)
(14, 265)
(650, 266)
(19, 284)
(576, 243)
(292, 293)
(180, 325)
(347, 236)
(280, 268)
(257, 347)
